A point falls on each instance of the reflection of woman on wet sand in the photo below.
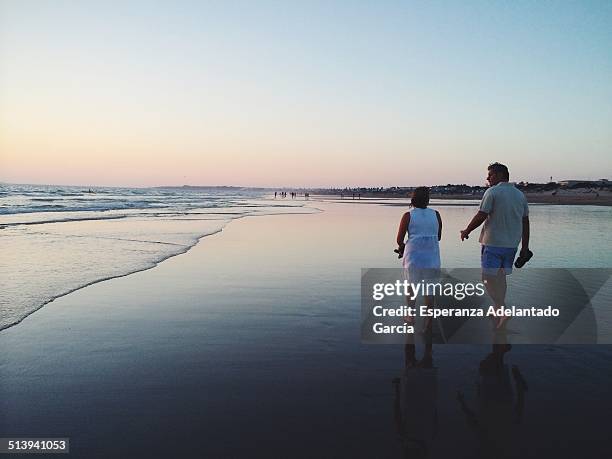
(415, 411)
(421, 251)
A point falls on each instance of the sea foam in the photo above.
(46, 255)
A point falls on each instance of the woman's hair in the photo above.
(420, 197)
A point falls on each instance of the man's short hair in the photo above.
(499, 168)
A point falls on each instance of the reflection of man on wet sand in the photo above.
(415, 411)
(505, 215)
(498, 415)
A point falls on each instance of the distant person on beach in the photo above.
(505, 214)
(421, 251)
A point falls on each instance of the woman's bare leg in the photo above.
(410, 302)
(429, 301)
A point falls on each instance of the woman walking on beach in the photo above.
(421, 251)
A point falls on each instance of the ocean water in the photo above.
(56, 239)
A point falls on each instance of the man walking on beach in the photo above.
(505, 215)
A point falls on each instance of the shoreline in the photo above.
(104, 279)
(182, 251)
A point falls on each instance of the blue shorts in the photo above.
(492, 259)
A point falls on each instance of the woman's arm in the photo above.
(403, 229)
(439, 225)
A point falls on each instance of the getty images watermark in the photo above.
(542, 306)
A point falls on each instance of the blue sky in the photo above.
(308, 93)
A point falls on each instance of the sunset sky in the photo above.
(303, 93)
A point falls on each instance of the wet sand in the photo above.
(248, 345)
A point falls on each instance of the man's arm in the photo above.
(439, 225)
(486, 207)
(525, 237)
(478, 220)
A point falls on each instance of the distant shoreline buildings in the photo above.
(465, 190)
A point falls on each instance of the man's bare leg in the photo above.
(496, 288)
(503, 286)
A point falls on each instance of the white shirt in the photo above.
(505, 206)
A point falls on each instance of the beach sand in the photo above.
(248, 345)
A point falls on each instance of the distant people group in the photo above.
(292, 194)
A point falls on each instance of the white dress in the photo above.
(422, 252)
